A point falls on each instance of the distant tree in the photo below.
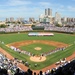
(19, 22)
(33, 25)
(58, 25)
(2, 26)
(13, 22)
(8, 22)
(34, 22)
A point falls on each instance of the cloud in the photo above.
(28, 8)
(61, 8)
(18, 2)
(45, 4)
(71, 8)
(15, 3)
(15, 6)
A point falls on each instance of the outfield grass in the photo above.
(65, 38)
(9, 38)
(31, 48)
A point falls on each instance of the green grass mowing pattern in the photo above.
(54, 57)
(9, 38)
(65, 38)
(50, 59)
(14, 54)
(44, 48)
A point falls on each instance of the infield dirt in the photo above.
(27, 42)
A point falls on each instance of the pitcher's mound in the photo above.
(37, 58)
(37, 48)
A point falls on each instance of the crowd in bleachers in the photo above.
(60, 29)
(52, 27)
(9, 67)
(16, 29)
(67, 68)
(47, 27)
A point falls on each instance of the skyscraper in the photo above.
(31, 19)
(7, 19)
(57, 17)
(48, 12)
(65, 19)
(20, 19)
(11, 19)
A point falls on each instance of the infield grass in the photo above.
(31, 48)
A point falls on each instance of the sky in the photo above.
(34, 8)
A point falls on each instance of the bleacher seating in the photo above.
(9, 67)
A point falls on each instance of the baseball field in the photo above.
(38, 45)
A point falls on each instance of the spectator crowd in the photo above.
(9, 67)
(47, 27)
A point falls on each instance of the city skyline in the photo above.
(33, 8)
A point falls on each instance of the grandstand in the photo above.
(62, 67)
(44, 27)
(9, 67)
